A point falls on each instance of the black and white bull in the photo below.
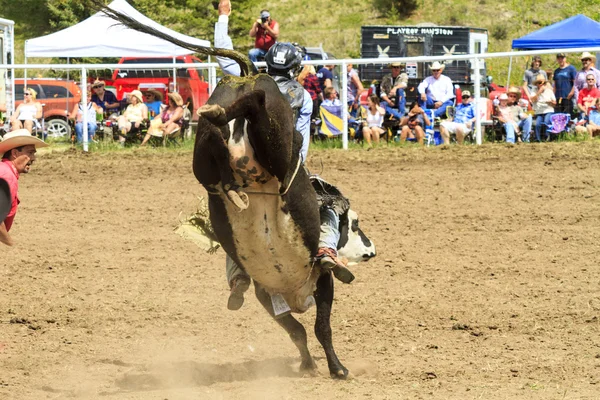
(354, 245)
(263, 208)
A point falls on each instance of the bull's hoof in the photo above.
(309, 368)
(342, 374)
(214, 113)
(239, 199)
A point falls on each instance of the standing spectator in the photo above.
(564, 84)
(265, 32)
(77, 114)
(392, 94)
(462, 123)
(372, 127)
(325, 77)
(531, 74)
(525, 120)
(543, 102)
(105, 99)
(308, 79)
(436, 91)
(355, 87)
(17, 149)
(588, 61)
(588, 95)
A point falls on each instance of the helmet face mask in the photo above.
(283, 59)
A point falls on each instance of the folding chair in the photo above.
(331, 121)
(431, 134)
(559, 123)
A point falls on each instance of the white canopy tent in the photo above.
(101, 36)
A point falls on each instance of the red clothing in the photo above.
(312, 86)
(263, 40)
(9, 173)
(587, 97)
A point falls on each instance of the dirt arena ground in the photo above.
(486, 283)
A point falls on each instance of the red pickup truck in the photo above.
(192, 83)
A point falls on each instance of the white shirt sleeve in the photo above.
(223, 41)
(303, 123)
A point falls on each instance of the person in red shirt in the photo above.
(588, 95)
(265, 32)
(18, 150)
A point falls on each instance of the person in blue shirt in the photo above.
(564, 84)
(153, 100)
(462, 123)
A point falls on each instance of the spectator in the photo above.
(357, 115)
(372, 127)
(331, 97)
(17, 149)
(588, 61)
(265, 32)
(436, 91)
(564, 84)
(355, 87)
(462, 123)
(308, 79)
(543, 102)
(413, 125)
(105, 99)
(325, 77)
(592, 126)
(27, 113)
(135, 113)
(530, 76)
(169, 121)
(525, 120)
(588, 95)
(392, 91)
(154, 102)
(510, 116)
(77, 114)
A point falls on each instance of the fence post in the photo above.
(344, 100)
(477, 87)
(84, 108)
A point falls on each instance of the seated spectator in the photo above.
(372, 126)
(357, 115)
(153, 101)
(525, 120)
(530, 76)
(588, 61)
(588, 95)
(105, 99)
(355, 86)
(135, 113)
(77, 114)
(330, 96)
(265, 32)
(393, 98)
(510, 116)
(437, 92)
(543, 102)
(169, 122)
(592, 124)
(27, 113)
(413, 125)
(462, 123)
(308, 79)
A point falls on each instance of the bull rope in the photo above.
(287, 188)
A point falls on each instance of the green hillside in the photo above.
(334, 24)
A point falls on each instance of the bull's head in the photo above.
(354, 245)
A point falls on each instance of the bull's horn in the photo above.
(240, 199)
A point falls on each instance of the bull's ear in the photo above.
(4, 199)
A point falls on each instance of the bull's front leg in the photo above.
(324, 300)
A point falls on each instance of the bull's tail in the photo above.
(246, 66)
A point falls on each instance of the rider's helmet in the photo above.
(283, 59)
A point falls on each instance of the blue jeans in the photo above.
(430, 104)
(525, 127)
(400, 109)
(541, 119)
(510, 132)
(92, 126)
(253, 54)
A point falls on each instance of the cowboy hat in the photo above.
(18, 138)
(98, 82)
(396, 64)
(5, 200)
(157, 94)
(540, 78)
(437, 65)
(503, 96)
(589, 55)
(515, 90)
(176, 97)
(138, 94)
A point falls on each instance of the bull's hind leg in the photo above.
(324, 300)
(292, 327)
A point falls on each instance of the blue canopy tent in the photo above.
(577, 31)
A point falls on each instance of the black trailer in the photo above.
(411, 41)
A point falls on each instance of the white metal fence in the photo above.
(475, 60)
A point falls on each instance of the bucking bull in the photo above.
(263, 206)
